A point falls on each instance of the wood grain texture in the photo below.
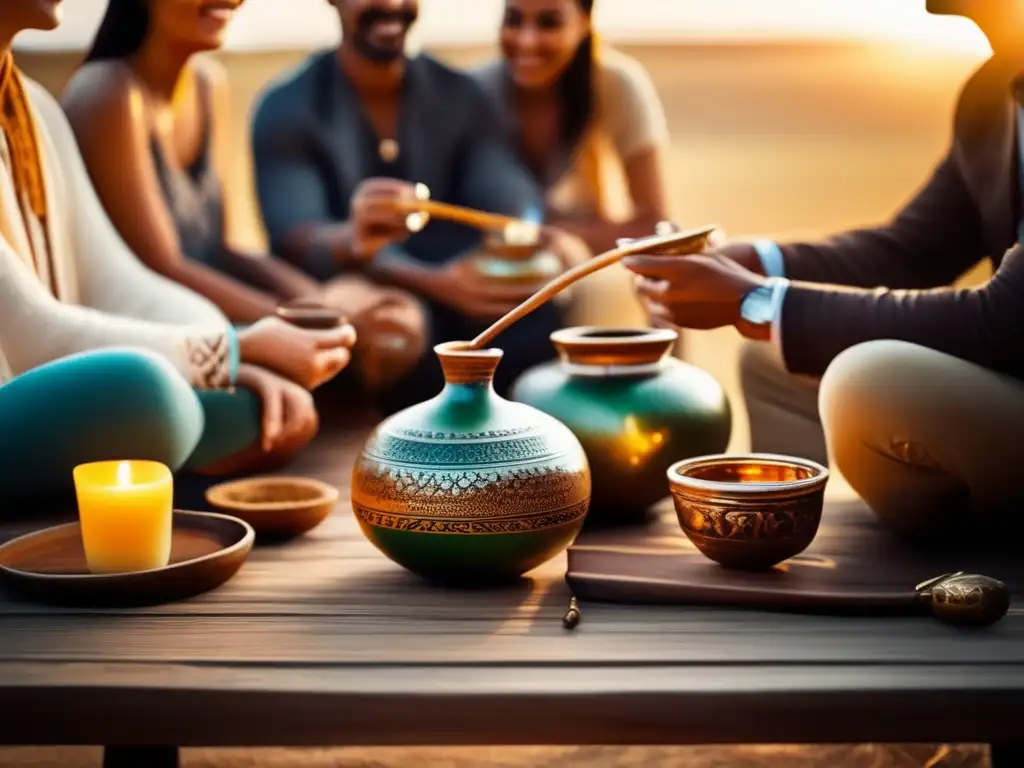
(765, 756)
(323, 641)
(469, 705)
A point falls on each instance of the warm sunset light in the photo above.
(895, 20)
(308, 23)
(904, 21)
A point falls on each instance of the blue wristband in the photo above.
(772, 261)
(234, 354)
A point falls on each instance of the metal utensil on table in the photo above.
(964, 599)
(571, 619)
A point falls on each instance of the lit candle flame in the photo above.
(124, 474)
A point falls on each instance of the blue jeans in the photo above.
(113, 404)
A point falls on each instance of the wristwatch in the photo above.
(762, 305)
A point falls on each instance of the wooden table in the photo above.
(324, 642)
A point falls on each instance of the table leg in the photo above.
(1006, 755)
(140, 757)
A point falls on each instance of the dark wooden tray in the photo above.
(853, 566)
(49, 565)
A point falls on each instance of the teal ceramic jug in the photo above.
(635, 410)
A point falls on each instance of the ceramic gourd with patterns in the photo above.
(469, 487)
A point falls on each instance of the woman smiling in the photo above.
(152, 119)
(586, 120)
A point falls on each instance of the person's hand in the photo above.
(307, 357)
(288, 409)
(375, 220)
(391, 326)
(570, 249)
(393, 337)
(459, 285)
(742, 253)
(699, 291)
(352, 295)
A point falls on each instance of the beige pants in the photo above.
(921, 436)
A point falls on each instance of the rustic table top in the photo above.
(324, 641)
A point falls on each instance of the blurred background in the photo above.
(789, 118)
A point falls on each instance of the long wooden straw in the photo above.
(468, 216)
(678, 243)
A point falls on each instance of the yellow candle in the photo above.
(125, 511)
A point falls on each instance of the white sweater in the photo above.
(107, 297)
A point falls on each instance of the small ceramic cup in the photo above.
(748, 511)
(309, 314)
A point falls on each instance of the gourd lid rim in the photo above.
(604, 335)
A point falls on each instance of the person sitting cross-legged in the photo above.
(100, 358)
(919, 384)
(152, 119)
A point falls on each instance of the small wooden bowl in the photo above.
(749, 511)
(525, 262)
(309, 314)
(276, 506)
(49, 565)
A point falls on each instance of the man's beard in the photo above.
(377, 53)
